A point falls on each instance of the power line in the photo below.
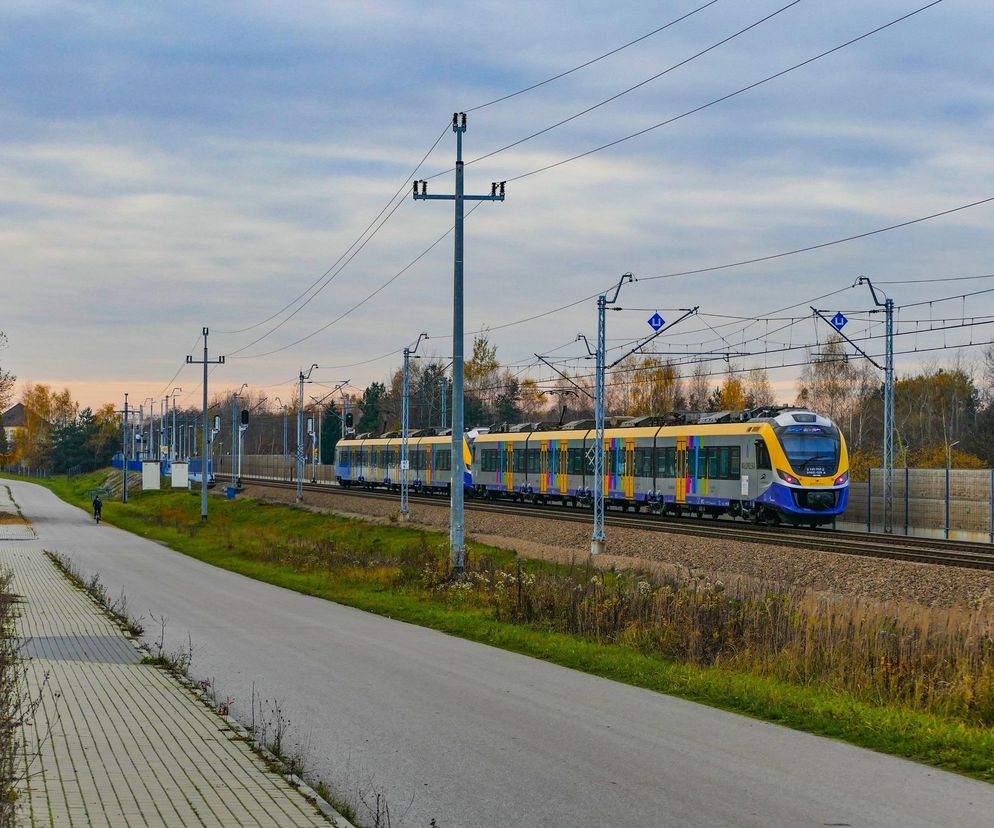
(360, 303)
(327, 282)
(590, 62)
(376, 218)
(638, 85)
(727, 97)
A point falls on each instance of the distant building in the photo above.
(14, 420)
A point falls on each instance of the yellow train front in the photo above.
(770, 466)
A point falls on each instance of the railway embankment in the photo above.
(818, 572)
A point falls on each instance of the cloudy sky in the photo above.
(173, 165)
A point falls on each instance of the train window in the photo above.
(575, 465)
(488, 460)
(519, 460)
(665, 462)
(734, 463)
(643, 462)
(723, 459)
(713, 471)
(443, 459)
(762, 456)
(534, 461)
(418, 459)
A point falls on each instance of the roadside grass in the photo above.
(916, 683)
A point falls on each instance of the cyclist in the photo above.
(98, 506)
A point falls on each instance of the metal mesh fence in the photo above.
(958, 503)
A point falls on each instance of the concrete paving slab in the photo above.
(120, 743)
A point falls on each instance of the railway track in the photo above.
(899, 547)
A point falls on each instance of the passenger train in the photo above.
(770, 465)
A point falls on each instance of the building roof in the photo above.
(15, 417)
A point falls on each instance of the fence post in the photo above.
(991, 499)
(947, 502)
(869, 500)
(907, 501)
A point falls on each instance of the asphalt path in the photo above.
(469, 735)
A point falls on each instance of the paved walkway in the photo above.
(118, 742)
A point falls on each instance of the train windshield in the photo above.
(812, 450)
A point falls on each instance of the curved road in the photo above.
(474, 736)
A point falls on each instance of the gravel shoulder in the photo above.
(828, 573)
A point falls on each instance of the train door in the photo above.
(681, 469)
(544, 467)
(629, 468)
(429, 454)
(563, 477)
(509, 468)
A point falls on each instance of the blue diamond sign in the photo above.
(656, 322)
(839, 321)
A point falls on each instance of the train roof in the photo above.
(416, 438)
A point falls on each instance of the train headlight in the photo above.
(842, 478)
(788, 478)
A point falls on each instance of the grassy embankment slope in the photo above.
(914, 685)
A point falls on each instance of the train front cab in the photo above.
(808, 462)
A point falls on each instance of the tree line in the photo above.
(944, 412)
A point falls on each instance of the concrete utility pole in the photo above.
(300, 433)
(457, 520)
(405, 430)
(205, 443)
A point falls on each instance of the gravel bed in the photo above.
(832, 573)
